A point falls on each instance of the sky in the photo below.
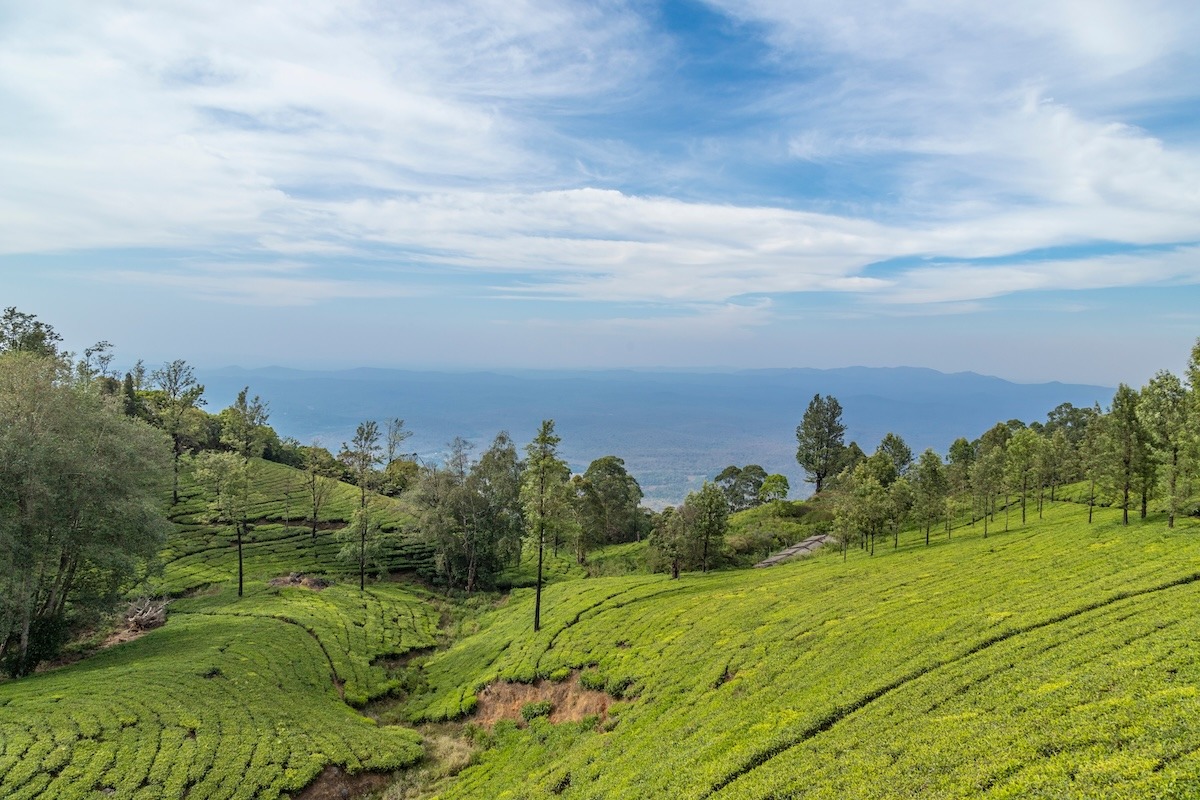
(1006, 188)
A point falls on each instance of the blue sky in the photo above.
(1008, 188)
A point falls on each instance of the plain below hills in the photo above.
(674, 429)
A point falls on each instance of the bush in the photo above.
(539, 708)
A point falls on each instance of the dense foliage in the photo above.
(80, 510)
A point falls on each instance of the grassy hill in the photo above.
(1054, 660)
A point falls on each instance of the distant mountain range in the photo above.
(674, 429)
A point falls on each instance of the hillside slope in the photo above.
(1052, 661)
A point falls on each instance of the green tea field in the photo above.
(1052, 660)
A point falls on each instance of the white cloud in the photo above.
(431, 135)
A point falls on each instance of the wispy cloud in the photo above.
(604, 153)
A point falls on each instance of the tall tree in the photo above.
(958, 476)
(361, 457)
(774, 488)
(180, 395)
(80, 504)
(545, 498)
(741, 485)
(611, 502)
(1125, 444)
(1163, 414)
(819, 438)
(225, 477)
(25, 333)
(244, 430)
(930, 488)
(1021, 461)
(396, 436)
(320, 473)
(708, 520)
(898, 451)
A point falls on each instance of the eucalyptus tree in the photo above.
(21, 332)
(225, 477)
(180, 394)
(1022, 457)
(1093, 457)
(320, 479)
(611, 502)
(774, 489)
(1162, 412)
(820, 447)
(545, 499)
(741, 485)
(898, 451)
(987, 471)
(708, 519)
(361, 456)
(930, 488)
(244, 430)
(959, 460)
(1125, 445)
(80, 507)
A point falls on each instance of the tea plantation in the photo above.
(1055, 660)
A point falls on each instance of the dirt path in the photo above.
(802, 549)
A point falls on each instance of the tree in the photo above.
(80, 508)
(668, 537)
(774, 488)
(611, 499)
(987, 471)
(958, 475)
(819, 438)
(898, 451)
(1125, 444)
(741, 485)
(24, 333)
(707, 515)
(1092, 452)
(361, 457)
(930, 488)
(1021, 461)
(180, 394)
(545, 498)
(396, 436)
(1162, 412)
(225, 477)
(244, 429)
(320, 472)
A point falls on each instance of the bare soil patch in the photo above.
(572, 702)
(334, 784)
(299, 579)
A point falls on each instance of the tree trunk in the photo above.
(241, 526)
(537, 602)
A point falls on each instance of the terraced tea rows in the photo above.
(229, 700)
(200, 554)
(1051, 662)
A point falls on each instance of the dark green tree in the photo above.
(1163, 415)
(244, 430)
(545, 499)
(179, 395)
(80, 504)
(24, 333)
(930, 488)
(360, 457)
(819, 436)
